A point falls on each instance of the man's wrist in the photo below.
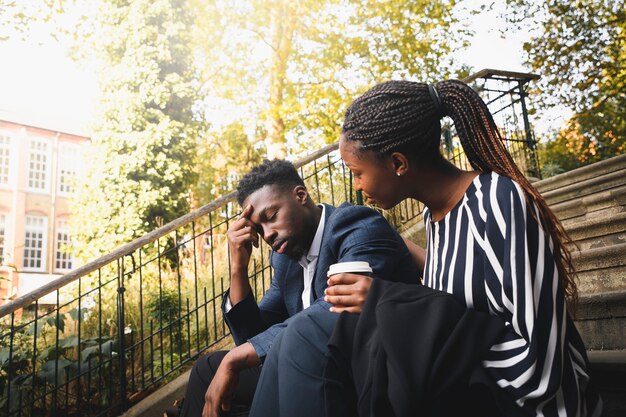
(242, 357)
(238, 271)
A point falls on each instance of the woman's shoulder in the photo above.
(497, 196)
(492, 184)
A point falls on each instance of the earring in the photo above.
(398, 174)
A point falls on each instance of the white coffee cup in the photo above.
(355, 267)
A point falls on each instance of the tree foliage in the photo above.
(141, 166)
(224, 156)
(581, 55)
(18, 17)
(292, 67)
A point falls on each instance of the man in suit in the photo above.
(306, 239)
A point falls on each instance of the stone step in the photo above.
(603, 279)
(601, 320)
(607, 369)
(610, 211)
(155, 403)
(587, 187)
(598, 232)
(601, 269)
(581, 174)
(583, 208)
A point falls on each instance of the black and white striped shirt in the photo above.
(491, 253)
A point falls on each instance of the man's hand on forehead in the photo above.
(247, 215)
(247, 212)
(243, 231)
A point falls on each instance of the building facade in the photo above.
(37, 171)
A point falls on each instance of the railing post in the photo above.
(530, 140)
(120, 332)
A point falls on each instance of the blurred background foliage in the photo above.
(580, 53)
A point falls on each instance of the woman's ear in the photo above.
(400, 163)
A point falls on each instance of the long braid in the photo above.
(399, 114)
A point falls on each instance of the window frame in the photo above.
(57, 251)
(4, 224)
(74, 150)
(12, 163)
(48, 166)
(44, 246)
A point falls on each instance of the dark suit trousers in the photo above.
(298, 371)
(201, 376)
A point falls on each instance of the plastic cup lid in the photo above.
(344, 267)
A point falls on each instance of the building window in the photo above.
(38, 165)
(69, 165)
(35, 243)
(63, 257)
(5, 159)
(3, 233)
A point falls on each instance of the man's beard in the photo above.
(297, 252)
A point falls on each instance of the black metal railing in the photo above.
(132, 320)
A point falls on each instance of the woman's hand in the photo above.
(347, 292)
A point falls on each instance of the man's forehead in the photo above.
(264, 197)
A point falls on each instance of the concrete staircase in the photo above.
(591, 204)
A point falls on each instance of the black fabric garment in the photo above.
(416, 351)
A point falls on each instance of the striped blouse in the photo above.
(491, 253)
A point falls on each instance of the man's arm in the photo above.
(241, 312)
(241, 236)
(417, 252)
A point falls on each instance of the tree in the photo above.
(18, 17)
(226, 154)
(141, 166)
(581, 55)
(294, 66)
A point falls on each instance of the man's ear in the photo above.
(301, 194)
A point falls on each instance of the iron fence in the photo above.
(132, 320)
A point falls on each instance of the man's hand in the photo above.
(222, 388)
(242, 235)
(347, 292)
(221, 391)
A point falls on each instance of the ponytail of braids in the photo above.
(485, 150)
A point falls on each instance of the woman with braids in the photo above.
(492, 243)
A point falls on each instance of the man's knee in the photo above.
(305, 340)
(205, 367)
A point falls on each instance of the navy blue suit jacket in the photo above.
(351, 233)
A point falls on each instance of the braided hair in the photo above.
(404, 116)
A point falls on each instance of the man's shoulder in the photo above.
(349, 210)
(350, 218)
